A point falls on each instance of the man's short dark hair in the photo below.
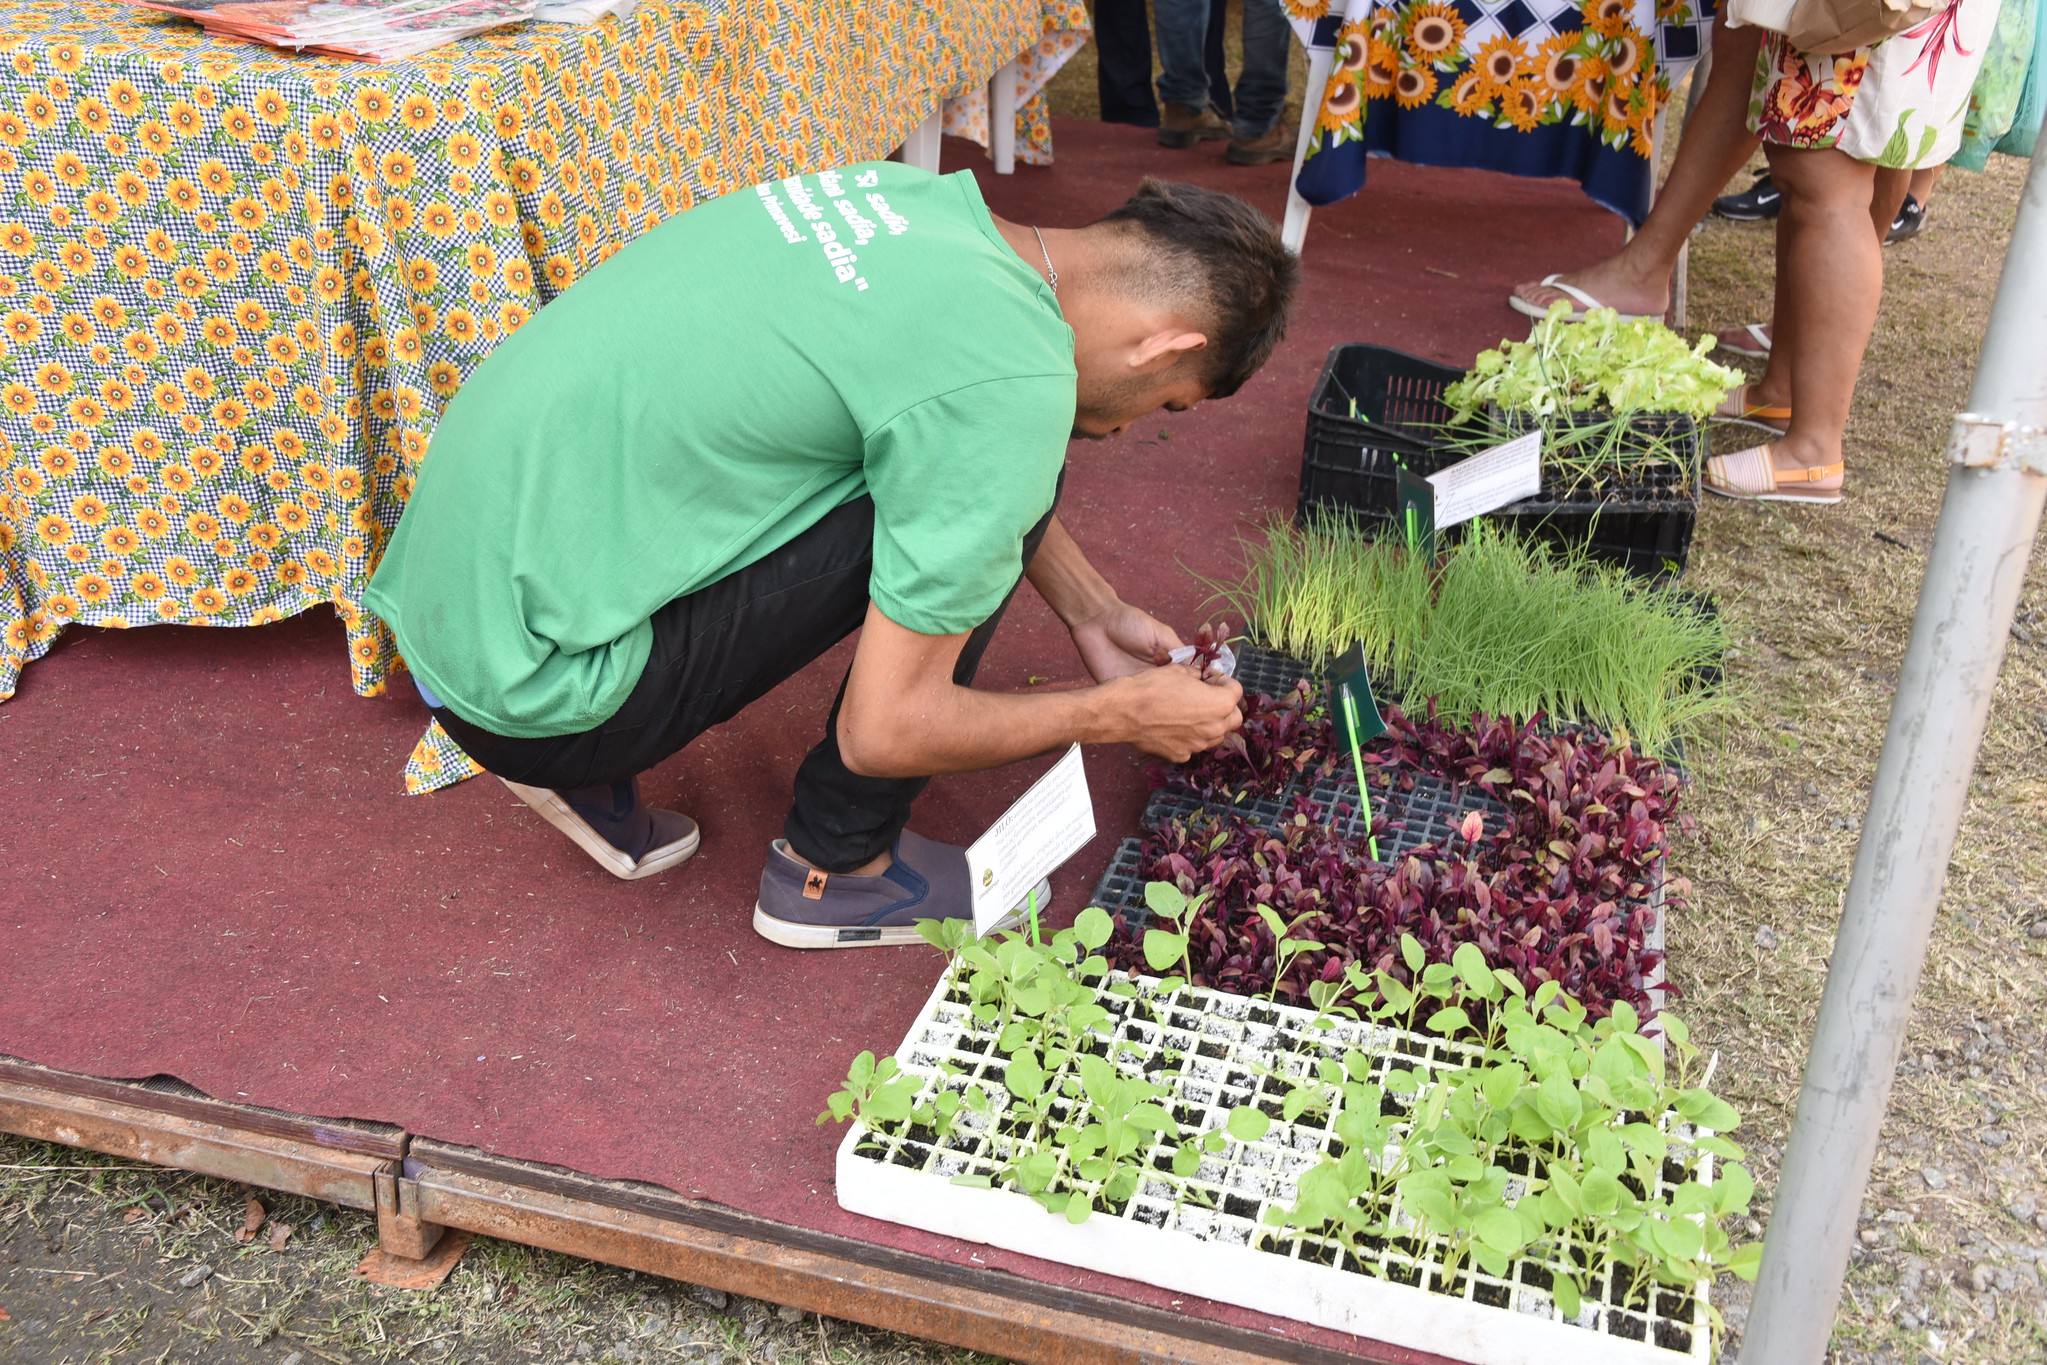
(1209, 246)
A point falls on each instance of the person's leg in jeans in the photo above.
(1261, 85)
(1183, 74)
(1217, 61)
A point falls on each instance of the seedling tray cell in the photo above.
(1429, 813)
(1121, 889)
(1267, 670)
(1209, 1237)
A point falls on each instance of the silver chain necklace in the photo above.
(1051, 275)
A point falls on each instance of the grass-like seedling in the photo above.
(1501, 625)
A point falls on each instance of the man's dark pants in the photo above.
(727, 645)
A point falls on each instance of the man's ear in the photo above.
(1164, 348)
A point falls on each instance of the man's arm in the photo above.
(1115, 639)
(905, 717)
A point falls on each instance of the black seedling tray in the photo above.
(1121, 889)
(1428, 814)
(1267, 670)
(1650, 538)
(1672, 480)
(1643, 523)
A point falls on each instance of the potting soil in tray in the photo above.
(1214, 1052)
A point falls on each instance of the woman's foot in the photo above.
(1602, 285)
(1774, 473)
(1750, 339)
(1741, 406)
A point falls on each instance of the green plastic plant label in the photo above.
(1351, 693)
(1417, 513)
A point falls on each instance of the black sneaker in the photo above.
(1755, 204)
(628, 838)
(1911, 218)
(800, 907)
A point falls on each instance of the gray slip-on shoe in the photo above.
(800, 907)
(628, 838)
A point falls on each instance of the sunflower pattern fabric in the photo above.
(237, 285)
(1067, 27)
(1900, 103)
(1532, 87)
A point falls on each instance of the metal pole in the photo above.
(1973, 576)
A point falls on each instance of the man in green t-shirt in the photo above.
(832, 402)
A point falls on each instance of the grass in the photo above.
(1500, 625)
(92, 1251)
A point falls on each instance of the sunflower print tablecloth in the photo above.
(1532, 87)
(237, 286)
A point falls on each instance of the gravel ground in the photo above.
(103, 1262)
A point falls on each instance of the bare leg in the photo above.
(1888, 196)
(1829, 281)
(1923, 182)
(1716, 144)
(1885, 199)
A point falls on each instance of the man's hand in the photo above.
(1122, 641)
(904, 716)
(1172, 713)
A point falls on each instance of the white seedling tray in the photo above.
(1225, 1252)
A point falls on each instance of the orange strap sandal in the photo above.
(1752, 476)
(1735, 407)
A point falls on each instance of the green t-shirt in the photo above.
(704, 397)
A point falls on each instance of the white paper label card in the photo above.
(1488, 480)
(1048, 824)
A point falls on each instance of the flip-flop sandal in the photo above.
(1752, 476)
(1556, 282)
(1736, 409)
(1759, 340)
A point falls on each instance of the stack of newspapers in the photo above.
(373, 30)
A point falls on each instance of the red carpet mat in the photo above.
(212, 870)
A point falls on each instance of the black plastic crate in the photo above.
(1671, 480)
(1374, 411)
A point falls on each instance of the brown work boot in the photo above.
(1274, 144)
(1181, 126)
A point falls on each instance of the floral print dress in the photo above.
(1899, 103)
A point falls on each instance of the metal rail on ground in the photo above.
(420, 1188)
